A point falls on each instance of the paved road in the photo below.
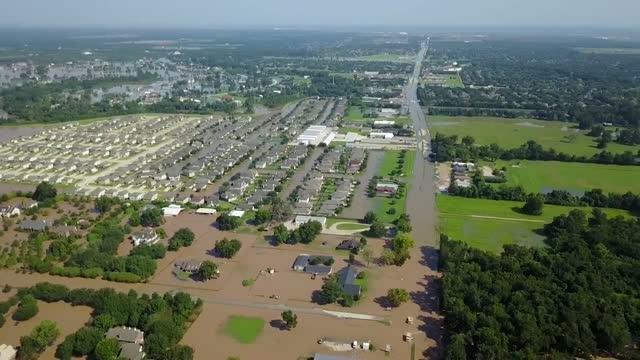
(421, 202)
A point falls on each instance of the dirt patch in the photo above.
(69, 319)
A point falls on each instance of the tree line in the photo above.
(447, 148)
(580, 296)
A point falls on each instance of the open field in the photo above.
(510, 133)
(490, 224)
(609, 51)
(540, 176)
(243, 328)
(388, 57)
(355, 114)
(384, 204)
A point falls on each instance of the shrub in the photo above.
(227, 248)
(27, 309)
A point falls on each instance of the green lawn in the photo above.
(389, 163)
(355, 114)
(352, 226)
(388, 57)
(538, 176)
(510, 133)
(490, 224)
(454, 80)
(243, 328)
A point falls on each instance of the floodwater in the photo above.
(361, 203)
(8, 133)
(68, 318)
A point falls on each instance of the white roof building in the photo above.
(7, 352)
(206, 211)
(172, 210)
(314, 135)
(303, 219)
(236, 213)
(381, 135)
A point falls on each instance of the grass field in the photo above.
(388, 57)
(355, 114)
(609, 51)
(243, 328)
(352, 226)
(538, 176)
(489, 224)
(510, 133)
(383, 204)
(454, 80)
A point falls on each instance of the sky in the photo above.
(239, 13)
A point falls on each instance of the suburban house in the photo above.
(146, 236)
(303, 219)
(7, 352)
(387, 188)
(9, 211)
(130, 340)
(350, 244)
(313, 264)
(190, 266)
(347, 280)
(35, 225)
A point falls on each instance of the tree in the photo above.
(533, 205)
(103, 204)
(331, 291)
(367, 254)
(401, 245)
(227, 222)
(85, 340)
(182, 237)
(27, 308)
(377, 229)
(280, 234)
(280, 209)
(151, 217)
(227, 248)
(403, 223)
(42, 336)
(180, 352)
(44, 191)
(397, 296)
(457, 348)
(262, 216)
(107, 349)
(370, 217)
(208, 270)
(290, 319)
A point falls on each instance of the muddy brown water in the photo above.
(361, 203)
(8, 133)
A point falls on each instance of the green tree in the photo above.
(377, 229)
(107, 349)
(533, 205)
(397, 296)
(182, 237)
(44, 191)
(280, 234)
(262, 216)
(103, 204)
(27, 308)
(331, 291)
(370, 217)
(227, 248)
(151, 217)
(367, 254)
(457, 348)
(208, 270)
(86, 340)
(227, 222)
(290, 319)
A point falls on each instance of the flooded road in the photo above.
(361, 203)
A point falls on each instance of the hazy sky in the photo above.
(216, 13)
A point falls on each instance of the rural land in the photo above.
(325, 195)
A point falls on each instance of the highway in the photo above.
(421, 202)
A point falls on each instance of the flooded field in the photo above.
(8, 133)
(68, 318)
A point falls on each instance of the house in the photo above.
(9, 211)
(130, 340)
(387, 188)
(205, 211)
(303, 219)
(65, 231)
(313, 264)
(190, 266)
(197, 199)
(35, 225)
(146, 236)
(350, 244)
(347, 280)
(7, 352)
(172, 210)
(236, 213)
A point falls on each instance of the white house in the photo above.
(146, 236)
